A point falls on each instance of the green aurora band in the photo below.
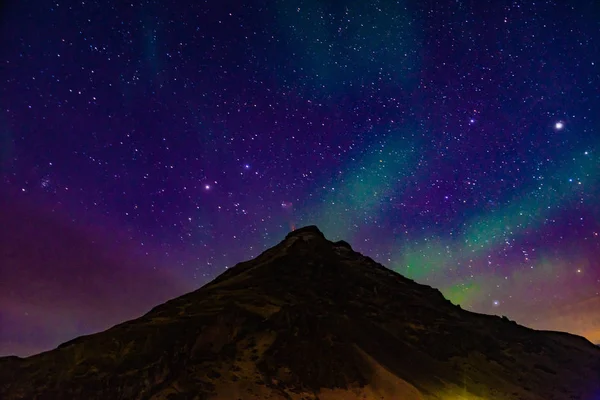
(430, 257)
(356, 195)
(538, 204)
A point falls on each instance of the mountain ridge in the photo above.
(311, 319)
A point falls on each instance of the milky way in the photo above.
(146, 147)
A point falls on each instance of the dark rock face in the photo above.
(310, 319)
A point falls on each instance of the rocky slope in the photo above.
(311, 319)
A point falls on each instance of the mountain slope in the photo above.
(311, 319)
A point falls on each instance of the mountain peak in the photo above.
(306, 231)
(311, 319)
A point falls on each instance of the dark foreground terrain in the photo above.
(311, 319)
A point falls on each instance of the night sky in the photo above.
(146, 147)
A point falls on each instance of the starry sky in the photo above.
(145, 147)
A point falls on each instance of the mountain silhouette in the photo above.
(311, 319)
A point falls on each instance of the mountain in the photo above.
(311, 319)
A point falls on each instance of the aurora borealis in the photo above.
(145, 147)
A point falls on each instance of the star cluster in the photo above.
(145, 147)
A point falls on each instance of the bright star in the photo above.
(559, 125)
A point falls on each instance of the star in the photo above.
(559, 125)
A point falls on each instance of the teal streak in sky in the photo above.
(345, 45)
(357, 193)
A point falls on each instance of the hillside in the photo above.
(311, 319)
